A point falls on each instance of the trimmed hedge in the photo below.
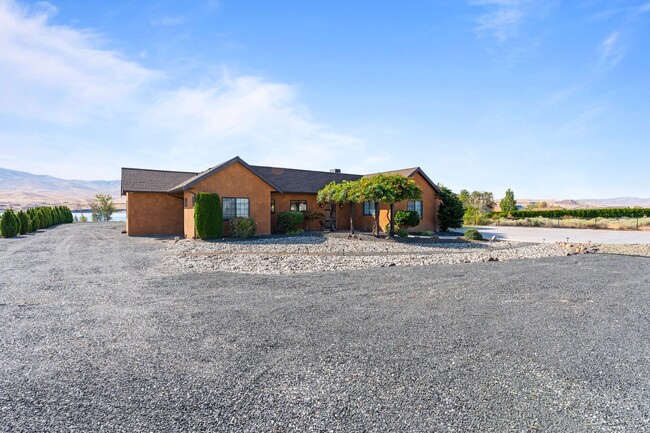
(289, 221)
(474, 235)
(402, 233)
(406, 218)
(575, 213)
(36, 218)
(208, 216)
(242, 228)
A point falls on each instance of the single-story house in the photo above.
(161, 202)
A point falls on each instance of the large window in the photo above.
(235, 207)
(369, 208)
(298, 205)
(415, 205)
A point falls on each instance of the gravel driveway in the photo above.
(98, 334)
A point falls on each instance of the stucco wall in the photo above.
(283, 204)
(236, 181)
(153, 214)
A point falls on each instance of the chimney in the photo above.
(335, 170)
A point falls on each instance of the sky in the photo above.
(550, 98)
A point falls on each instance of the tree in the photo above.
(102, 207)
(451, 210)
(476, 204)
(9, 224)
(327, 195)
(388, 188)
(349, 192)
(25, 222)
(508, 203)
(208, 216)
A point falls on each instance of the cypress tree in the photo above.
(208, 216)
(25, 222)
(9, 224)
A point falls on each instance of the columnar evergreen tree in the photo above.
(208, 216)
(25, 222)
(508, 203)
(9, 224)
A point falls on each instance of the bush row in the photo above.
(576, 213)
(12, 224)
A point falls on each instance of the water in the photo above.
(117, 216)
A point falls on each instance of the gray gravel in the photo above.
(99, 334)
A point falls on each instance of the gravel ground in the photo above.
(301, 254)
(100, 334)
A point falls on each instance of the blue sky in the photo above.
(549, 98)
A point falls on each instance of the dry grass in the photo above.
(577, 223)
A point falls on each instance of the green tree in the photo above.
(102, 207)
(327, 195)
(476, 205)
(25, 222)
(451, 209)
(508, 203)
(388, 188)
(208, 216)
(9, 224)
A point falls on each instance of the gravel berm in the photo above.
(99, 335)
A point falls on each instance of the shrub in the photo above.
(102, 207)
(296, 232)
(451, 209)
(208, 216)
(242, 228)
(289, 221)
(9, 224)
(402, 233)
(25, 222)
(474, 235)
(407, 218)
(425, 233)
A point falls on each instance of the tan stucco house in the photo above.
(161, 202)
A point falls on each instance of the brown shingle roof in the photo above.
(144, 180)
(301, 181)
(408, 172)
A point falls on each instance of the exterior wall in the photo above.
(153, 214)
(235, 181)
(283, 204)
(188, 214)
(429, 221)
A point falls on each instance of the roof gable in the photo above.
(209, 172)
(410, 172)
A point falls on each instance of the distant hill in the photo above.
(591, 203)
(19, 189)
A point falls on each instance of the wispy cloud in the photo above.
(644, 8)
(611, 50)
(169, 21)
(93, 101)
(503, 17)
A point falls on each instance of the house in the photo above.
(160, 202)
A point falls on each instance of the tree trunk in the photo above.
(376, 220)
(332, 216)
(351, 218)
(392, 220)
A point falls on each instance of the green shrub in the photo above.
(402, 233)
(242, 228)
(42, 219)
(425, 233)
(451, 209)
(25, 222)
(35, 223)
(406, 218)
(208, 216)
(474, 235)
(9, 224)
(296, 232)
(289, 221)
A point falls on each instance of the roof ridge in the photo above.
(303, 169)
(165, 171)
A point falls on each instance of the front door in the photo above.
(330, 216)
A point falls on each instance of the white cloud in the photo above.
(503, 18)
(169, 21)
(85, 99)
(611, 50)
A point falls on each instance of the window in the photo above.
(235, 207)
(369, 208)
(415, 205)
(272, 206)
(298, 205)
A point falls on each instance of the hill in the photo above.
(19, 189)
(616, 202)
